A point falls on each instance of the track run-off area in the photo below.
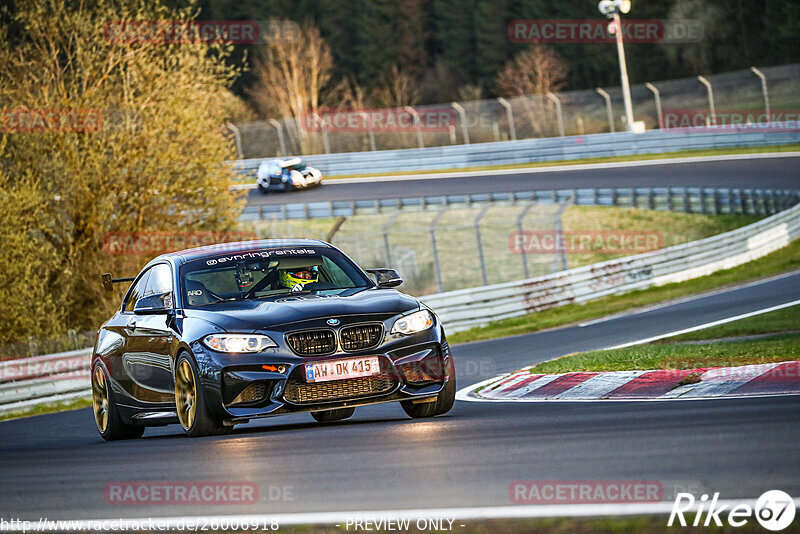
(57, 466)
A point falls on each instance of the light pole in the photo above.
(612, 10)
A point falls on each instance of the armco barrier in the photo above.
(28, 382)
(466, 308)
(704, 200)
(544, 149)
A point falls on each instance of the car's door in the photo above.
(148, 353)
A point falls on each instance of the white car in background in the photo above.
(286, 175)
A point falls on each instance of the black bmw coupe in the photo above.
(214, 336)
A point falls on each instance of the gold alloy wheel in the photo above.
(100, 399)
(185, 394)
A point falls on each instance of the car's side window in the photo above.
(136, 292)
(160, 280)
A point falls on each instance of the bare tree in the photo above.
(291, 72)
(397, 90)
(533, 73)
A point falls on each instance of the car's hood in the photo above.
(255, 314)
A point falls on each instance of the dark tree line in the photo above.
(446, 44)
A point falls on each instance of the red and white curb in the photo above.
(781, 378)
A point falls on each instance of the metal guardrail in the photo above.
(544, 149)
(467, 308)
(29, 382)
(683, 199)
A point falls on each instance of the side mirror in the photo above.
(154, 304)
(386, 277)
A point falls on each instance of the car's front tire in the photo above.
(443, 403)
(190, 401)
(106, 415)
(263, 189)
(333, 415)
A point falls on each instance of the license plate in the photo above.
(342, 369)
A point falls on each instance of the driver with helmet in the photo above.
(297, 279)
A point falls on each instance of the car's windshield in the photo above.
(267, 273)
(296, 167)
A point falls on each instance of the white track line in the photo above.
(706, 325)
(551, 168)
(459, 514)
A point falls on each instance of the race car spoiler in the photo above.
(108, 282)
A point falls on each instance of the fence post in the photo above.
(368, 122)
(325, 142)
(281, 140)
(477, 225)
(237, 138)
(520, 220)
(609, 112)
(335, 228)
(417, 125)
(512, 130)
(657, 96)
(437, 269)
(764, 91)
(386, 228)
(462, 113)
(559, 116)
(559, 251)
(711, 106)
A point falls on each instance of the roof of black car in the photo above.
(241, 246)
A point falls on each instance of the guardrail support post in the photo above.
(437, 269)
(764, 91)
(281, 140)
(417, 125)
(520, 220)
(711, 106)
(559, 115)
(512, 130)
(477, 224)
(657, 96)
(609, 112)
(462, 113)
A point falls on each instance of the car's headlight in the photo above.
(413, 322)
(238, 342)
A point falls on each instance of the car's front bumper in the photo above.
(241, 387)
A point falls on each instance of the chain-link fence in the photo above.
(458, 246)
(567, 113)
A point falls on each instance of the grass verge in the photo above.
(783, 260)
(76, 404)
(780, 348)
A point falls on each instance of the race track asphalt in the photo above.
(778, 173)
(57, 466)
